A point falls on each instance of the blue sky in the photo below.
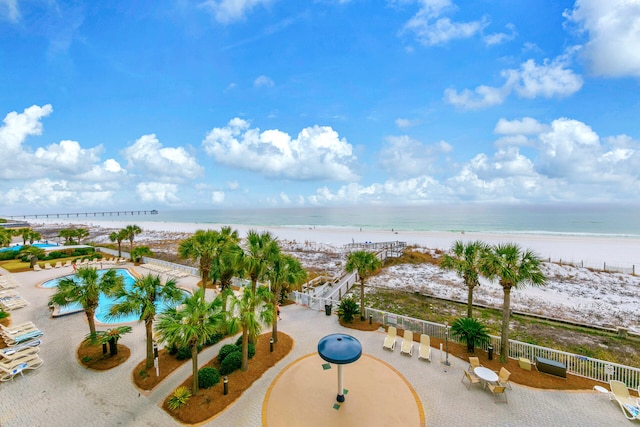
(273, 103)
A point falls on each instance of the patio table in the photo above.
(486, 375)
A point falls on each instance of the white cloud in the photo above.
(111, 165)
(233, 185)
(263, 81)
(525, 126)
(46, 193)
(613, 27)
(68, 157)
(316, 153)
(432, 29)
(406, 123)
(163, 163)
(217, 197)
(228, 11)
(550, 79)
(158, 192)
(499, 38)
(9, 9)
(403, 156)
(17, 126)
(481, 97)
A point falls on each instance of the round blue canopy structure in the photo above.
(339, 349)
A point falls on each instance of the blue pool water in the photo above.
(104, 303)
(38, 245)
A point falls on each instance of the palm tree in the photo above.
(191, 324)
(514, 268)
(85, 289)
(67, 234)
(81, 233)
(33, 236)
(110, 336)
(34, 253)
(139, 252)
(249, 312)
(5, 237)
(364, 263)
(201, 248)
(226, 252)
(118, 236)
(141, 300)
(285, 271)
(262, 249)
(24, 232)
(130, 232)
(465, 260)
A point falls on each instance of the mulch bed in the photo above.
(210, 402)
(90, 356)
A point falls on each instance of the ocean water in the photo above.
(596, 220)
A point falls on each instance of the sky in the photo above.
(181, 104)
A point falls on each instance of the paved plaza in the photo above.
(63, 393)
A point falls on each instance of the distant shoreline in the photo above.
(593, 251)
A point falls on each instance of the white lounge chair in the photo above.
(21, 327)
(390, 339)
(47, 266)
(10, 370)
(13, 304)
(424, 351)
(22, 352)
(67, 264)
(8, 352)
(628, 405)
(19, 339)
(58, 264)
(407, 343)
(36, 267)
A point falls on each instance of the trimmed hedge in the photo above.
(208, 377)
(231, 362)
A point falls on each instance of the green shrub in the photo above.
(208, 377)
(172, 349)
(252, 350)
(215, 338)
(348, 309)
(6, 255)
(3, 314)
(183, 353)
(86, 359)
(239, 341)
(179, 398)
(231, 363)
(225, 351)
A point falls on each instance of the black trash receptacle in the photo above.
(327, 309)
(490, 351)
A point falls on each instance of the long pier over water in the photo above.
(85, 214)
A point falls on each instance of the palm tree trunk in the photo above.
(119, 249)
(470, 301)
(506, 314)
(113, 347)
(245, 349)
(148, 328)
(361, 299)
(90, 319)
(274, 327)
(194, 368)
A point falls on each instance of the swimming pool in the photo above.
(105, 302)
(38, 245)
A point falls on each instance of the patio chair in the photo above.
(9, 351)
(471, 379)
(18, 339)
(503, 377)
(474, 362)
(47, 266)
(628, 405)
(17, 366)
(13, 304)
(17, 329)
(407, 343)
(390, 339)
(36, 267)
(67, 264)
(21, 352)
(58, 264)
(498, 390)
(424, 351)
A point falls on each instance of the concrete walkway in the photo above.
(62, 393)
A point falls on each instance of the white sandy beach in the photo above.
(583, 295)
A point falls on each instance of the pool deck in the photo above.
(63, 393)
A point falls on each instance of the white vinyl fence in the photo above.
(582, 366)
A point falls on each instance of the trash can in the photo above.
(327, 309)
(490, 351)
